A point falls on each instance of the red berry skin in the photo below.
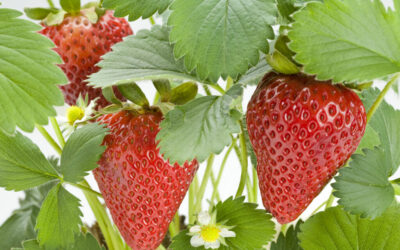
(141, 189)
(81, 45)
(302, 131)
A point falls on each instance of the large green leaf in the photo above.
(145, 56)
(20, 225)
(28, 74)
(59, 219)
(221, 37)
(22, 164)
(254, 75)
(136, 8)
(334, 229)
(363, 187)
(347, 40)
(82, 151)
(199, 128)
(288, 240)
(253, 227)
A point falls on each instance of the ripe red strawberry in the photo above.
(81, 45)
(141, 189)
(302, 131)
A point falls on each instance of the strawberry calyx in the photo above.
(281, 59)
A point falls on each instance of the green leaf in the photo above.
(22, 164)
(71, 6)
(136, 8)
(249, 146)
(39, 13)
(31, 245)
(253, 227)
(285, 9)
(357, 40)
(256, 73)
(59, 219)
(82, 152)
(184, 93)
(148, 55)
(334, 229)
(133, 93)
(363, 187)
(26, 96)
(20, 225)
(221, 37)
(199, 128)
(289, 240)
(370, 140)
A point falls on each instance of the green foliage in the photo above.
(71, 6)
(39, 13)
(256, 73)
(199, 128)
(253, 227)
(148, 55)
(334, 229)
(228, 34)
(136, 8)
(369, 140)
(27, 96)
(22, 164)
(356, 41)
(289, 240)
(59, 219)
(20, 225)
(82, 152)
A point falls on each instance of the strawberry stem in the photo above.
(152, 21)
(217, 88)
(243, 161)
(381, 96)
(319, 207)
(204, 182)
(49, 139)
(330, 201)
(85, 188)
(174, 226)
(58, 132)
(192, 192)
(214, 183)
(51, 4)
(255, 185)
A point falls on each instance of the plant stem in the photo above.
(207, 89)
(217, 88)
(51, 4)
(330, 201)
(255, 185)
(243, 160)
(152, 21)
(381, 96)
(249, 188)
(214, 183)
(112, 238)
(229, 83)
(221, 170)
(204, 182)
(318, 208)
(174, 226)
(85, 188)
(58, 132)
(192, 196)
(49, 139)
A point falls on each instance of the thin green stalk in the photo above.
(255, 185)
(49, 139)
(51, 4)
(58, 132)
(174, 226)
(221, 170)
(85, 188)
(204, 182)
(381, 96)
(215, 187)
(229, 83)
(217, 88)
(207, 89)
(249, 189)
(330, 201)
(191, 201)
(112, 237)
(319, 207)
(243, 160)
(152, 21)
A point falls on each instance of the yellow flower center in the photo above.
(210, 233)
(74, 113)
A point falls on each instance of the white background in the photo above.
(230, 179)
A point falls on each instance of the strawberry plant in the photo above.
(318, 74)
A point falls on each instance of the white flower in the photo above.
(208, 233)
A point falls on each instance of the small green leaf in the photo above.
(163, 87)
(199, 128)
(282, 64)
(59, 219)
(342, 47)
(228, 34)
(22, 164)
(285, 9)
(256, 73)
(39, 13)
(148, 55)
(289, 240)
(82, 152)
(133, 93)
(136, 8)
(26, 97)
(253, 227)
(334, 229)
(71, 6)
(363, 187)
(184, 93)
(20, 225)
(55, 18)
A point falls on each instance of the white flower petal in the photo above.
(195, 229)
(213, 245)
(226, 233)
(196, 241)
(204, 218)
